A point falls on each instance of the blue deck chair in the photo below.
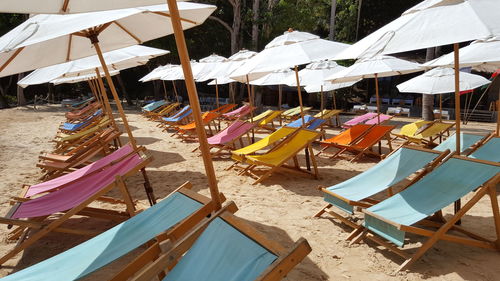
(401, 164)
(181, 114)
(154, 105)
(78, 104)
(452, 180)
(298, 123)
(80, 125)
(316, 124)
(183, 205)
(226, 248)
(489, 151)
(466, 141)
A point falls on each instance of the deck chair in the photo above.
(357, 192)
(329, 114)
(227, 138)
(176, 119)
(55, 165)
(83, 102)
(72, 199)
(287, 150)
(153, 106)
(266, 119)
(359, 120)
(238, 113)
(224, 108)
(410, 130)
(432, 133)
(375, 120)
(162, 111)
(467, 141)
(172, 217)
(410, 209)
(294, 113)
(224, 247)
(488, 151)
(188, 131)
(64, 141)
(298, 123)
(346, 137)
(75, 126)
(84, 112)
(364, 145)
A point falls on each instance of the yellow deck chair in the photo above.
(261, 116)
(433, 132)
(288, 149)
(410, 130)
(66, 137)
(268, 122)
(329, 114)
(163, 112)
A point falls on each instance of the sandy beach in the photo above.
(281, 207)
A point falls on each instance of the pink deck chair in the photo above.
(374, 120)
(82, 172)
(359, 119)
(72, 200)
(240, 112)
(226, 139)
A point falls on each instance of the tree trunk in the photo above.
(255, 24)
(428, 100)
(333, 12)
(4, 103)
(360, 4)
(51, 95)
(21, 101)
(124, 90)
(235, 35)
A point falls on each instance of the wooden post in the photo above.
(164, 89)
(457, 97)
(250, 100)
(194, 102)
(441, 107)
(216, 93)
(175, 91)
(378, 99)
(322, 103)
(334, 101)
(280, 96)
(498, 114)
(93, 38)
(300, 96)
(102, 90)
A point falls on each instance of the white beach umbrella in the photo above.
(481, 55)
(291, 49)
(175, 72)
(429, 24)
(329, 86)
(441, 81)
(375, 67)
(205, 66)
(156, 73)
(277, 77)
(70, 6)
(221, 72)
(116, 60)
(81, 78)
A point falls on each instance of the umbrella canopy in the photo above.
(175, 72)
(314, 74)
(329, 86)
(156, 73)
(116, 60)
(288, 50)
(45, 40)
(380, 66)
(482, 55)
(205, 66)
(441, 81)
(429, 24)
(222, 70)
(277, 77)
(81, 78)
(69, 6)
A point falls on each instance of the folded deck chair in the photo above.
(266, 119)
(287, 150)
(408, 210)
(179, 212)
(329, 114)
(239, 112)
(227, 138)
(375, 120)
(359, 119)
(188, 131)
(72, 199)
(364, 145)
(55, 165)
(467, 141)
(489, 151)
(346, 137)
(224, 247)
(356, 192)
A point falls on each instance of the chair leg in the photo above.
(322, 211)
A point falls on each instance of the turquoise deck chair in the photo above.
(449, 182)
(489, 151)
(116, 242)
(388, 172)
(226, 248)
(154, 105)
(466, 141)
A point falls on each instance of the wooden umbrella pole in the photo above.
(280, 100)
(378, 99)
(441, 107)
(95, 42)
(322, 101)
(175, 91)
(216, 93)
(194, 102)
(334, 101)
(457, 97)
(498, 114)
(92, 89)
(164, 89)
(300, 96)
(249, 95)
(100, 87)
